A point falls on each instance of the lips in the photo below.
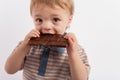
(46, 33)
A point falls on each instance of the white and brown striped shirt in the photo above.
(57, 68)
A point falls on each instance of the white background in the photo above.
(96, 24)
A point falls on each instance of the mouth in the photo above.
(46, 33)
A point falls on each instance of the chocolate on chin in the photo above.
(55, 40)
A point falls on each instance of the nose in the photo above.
(47, 26)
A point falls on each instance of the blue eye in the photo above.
(56, 19)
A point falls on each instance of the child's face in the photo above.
(51, 20)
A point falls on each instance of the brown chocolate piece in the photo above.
(56, 40)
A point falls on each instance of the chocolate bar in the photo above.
(55, 40)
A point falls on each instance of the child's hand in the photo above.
(32, 33)
(72, 43)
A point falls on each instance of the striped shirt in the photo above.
(57, 68)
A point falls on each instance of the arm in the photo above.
(77, 66)
(16, 59)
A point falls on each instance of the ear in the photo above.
(70, 20)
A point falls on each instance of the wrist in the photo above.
(25, 43)
(73, 55)
(24, 47)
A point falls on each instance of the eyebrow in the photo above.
(37, 15)
(54, 15)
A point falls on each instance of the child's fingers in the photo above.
(35, 33)
(70, 36)
(70, 41)
(32, 33)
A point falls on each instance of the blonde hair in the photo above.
(65, 4)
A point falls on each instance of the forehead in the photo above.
(65, 4)
(44, 9)
(51, 3)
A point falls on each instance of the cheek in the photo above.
(60, 30)
(37, 27)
